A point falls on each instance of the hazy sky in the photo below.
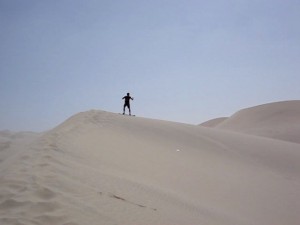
(182, 60)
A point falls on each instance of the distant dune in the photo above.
(213, 122)
(280, 120)
(102, 168)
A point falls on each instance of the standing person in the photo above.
(127, 103)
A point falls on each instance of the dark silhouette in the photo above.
(127, 103)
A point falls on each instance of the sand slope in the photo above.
(279, 120)
(213, 122)
(104, 168)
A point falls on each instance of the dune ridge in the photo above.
(213, 122)
(104, 168)
(277, 120)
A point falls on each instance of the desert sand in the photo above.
(213, 122)
(279, 120)
(102, 168)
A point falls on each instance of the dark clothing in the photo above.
(127, 103)
(127, 100)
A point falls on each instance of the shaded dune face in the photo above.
(104, 168)
(213, 122)
(279, 120)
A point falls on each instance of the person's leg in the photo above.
(129, 110)
(124, 109)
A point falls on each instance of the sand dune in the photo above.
(280, 120)
(213, 122)
(104, 168)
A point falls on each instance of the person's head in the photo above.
(128, 94)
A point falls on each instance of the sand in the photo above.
(213, 122)
(104, 168)
(279, 120)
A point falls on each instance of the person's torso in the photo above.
(127, 99)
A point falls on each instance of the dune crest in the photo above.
(213, 122)
(104, 168)
(279, 120)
